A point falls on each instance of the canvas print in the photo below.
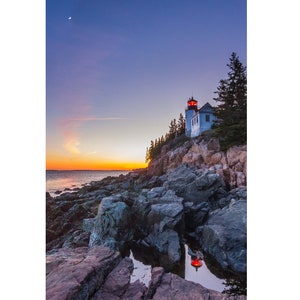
(146, 149)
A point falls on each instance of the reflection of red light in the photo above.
(196, 263)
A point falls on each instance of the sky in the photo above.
(117, 73)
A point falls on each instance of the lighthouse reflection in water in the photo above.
(144, 260)
(196, 258)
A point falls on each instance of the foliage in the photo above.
(235, 286)
(176, 129)
(231, 112)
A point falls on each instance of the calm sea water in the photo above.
(60, 180)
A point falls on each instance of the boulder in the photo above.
(159, 219)
(165, 242)
(236, 154)
(78, 273)
(112, 226)
(64, 218)
(135, 291)
(172, 286)
(194, 185)
(195, 214)
(156, 276)
(224, 236)
(239, 193)
(118, 280)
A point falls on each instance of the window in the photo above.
(207, 118)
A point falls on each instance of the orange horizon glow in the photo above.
(92, 165)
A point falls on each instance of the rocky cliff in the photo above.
(204, 153)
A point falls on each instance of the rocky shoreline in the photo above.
(87, 228)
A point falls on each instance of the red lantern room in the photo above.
(192, 104)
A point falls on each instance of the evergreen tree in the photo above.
(231, 112)
(147, 158)
(155, 143)
(176, 129)
(166, 137)
(181, 124)
(172, 129)
(151, 150)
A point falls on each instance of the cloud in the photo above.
(91, 153)
(97, 119)
(70, 130)
(71, 145)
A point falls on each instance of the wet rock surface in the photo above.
(100, 273)
(171, 286)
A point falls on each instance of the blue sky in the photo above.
(119, 71)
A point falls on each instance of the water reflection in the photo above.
(209, 274)
(145, 258)
(141, 271)
(202, 274)
(235, 286)
(150, 257)
(196, 257)
(60, 180)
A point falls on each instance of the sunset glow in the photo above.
(83, 163)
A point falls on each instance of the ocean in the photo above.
(60, 180)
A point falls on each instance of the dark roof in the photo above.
(206, 108)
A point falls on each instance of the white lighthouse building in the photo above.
(198, 120)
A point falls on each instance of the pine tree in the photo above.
(172, 129)
(232, 109)
(147, 158)
(181, 124)
(151, 150)
(176, 129)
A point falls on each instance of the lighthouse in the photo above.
(197, 119)
(192, 108)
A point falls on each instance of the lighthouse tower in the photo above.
(192, 108)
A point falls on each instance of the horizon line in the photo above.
(88, 169)
(94, 169)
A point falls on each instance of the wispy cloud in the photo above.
(91, 153)
(70, 135)
(70, 128)
(71, 145)
(97, 119)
